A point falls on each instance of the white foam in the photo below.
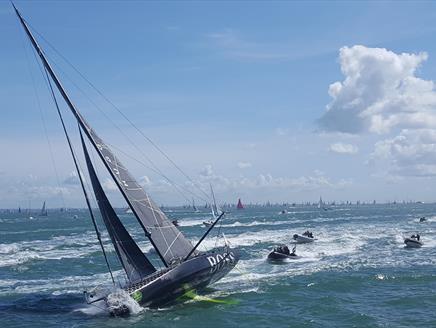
(119, 298)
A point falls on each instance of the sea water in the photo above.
(356, 274)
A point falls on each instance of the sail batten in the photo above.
(134, 262)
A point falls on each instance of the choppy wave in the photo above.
(346, 242)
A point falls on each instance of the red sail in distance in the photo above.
(239, 206)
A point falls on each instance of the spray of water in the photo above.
(120, 299)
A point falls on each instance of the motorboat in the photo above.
(281, 253)
(207, 224)
(305, 238)
(413, 242)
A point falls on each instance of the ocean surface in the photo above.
(357, 274)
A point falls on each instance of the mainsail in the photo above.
(136, 265)
(169, 242)
(43, 210)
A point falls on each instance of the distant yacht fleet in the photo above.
(320, 204)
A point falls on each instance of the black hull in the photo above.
(412, 243)
(276, 256)
(167, 285)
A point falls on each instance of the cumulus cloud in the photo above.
(109, 184)
(380, 92)
(244, 165)
(72, 179)
(411, 153)
(343, 148)
(261, 181)
(207, 171)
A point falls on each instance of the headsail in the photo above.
(136, 265)
(169, 242)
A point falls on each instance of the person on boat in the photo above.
(417, 237)
(293, 251)
(285, 250)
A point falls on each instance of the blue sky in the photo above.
(235, 92)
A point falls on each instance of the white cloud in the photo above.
(379, 92)
(411, 153)
(72, 179)
(244, 165)
(261, 181)
(207, 171)
(109, 184)
(343, 148)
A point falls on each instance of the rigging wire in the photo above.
(50, 89)
(159, 149)
(53, 162)
(154, 145)
(91, 153)
(153, 167)
(80, 176)
(176, 186)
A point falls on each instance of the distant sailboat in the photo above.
(29, 210)
(239, 206)
(194, 207)
(214, 206)
(43, 211)
(184, 267)
(214, 210)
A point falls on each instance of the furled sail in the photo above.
(169, 242)
(135, 263)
